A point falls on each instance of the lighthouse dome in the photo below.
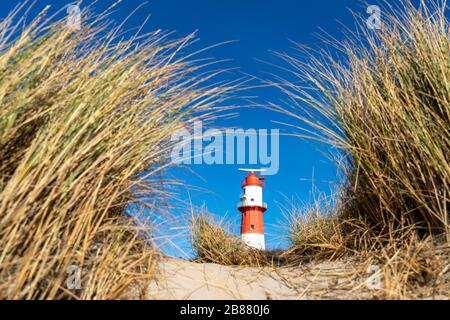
(252, 180)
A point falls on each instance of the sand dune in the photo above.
(181, 279)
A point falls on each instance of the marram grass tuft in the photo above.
(212, 243)
(384, 101)
(85, 120)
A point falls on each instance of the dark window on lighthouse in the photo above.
(253, 199)
(252, 226)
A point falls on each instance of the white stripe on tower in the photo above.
(255, 240)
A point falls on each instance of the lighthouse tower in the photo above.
(252, 207)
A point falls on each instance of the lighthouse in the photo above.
(252, 207)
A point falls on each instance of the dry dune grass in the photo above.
(406, 264)
(85, 121)
(385, 103)
(213, 243)
(314, 233)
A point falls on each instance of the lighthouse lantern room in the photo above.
(252, 207)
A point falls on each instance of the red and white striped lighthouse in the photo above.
(252, 207)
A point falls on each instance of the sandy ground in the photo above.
(187, 280)
(181, 279)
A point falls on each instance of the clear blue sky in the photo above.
(258, 26)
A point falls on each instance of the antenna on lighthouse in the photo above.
(252, 170)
